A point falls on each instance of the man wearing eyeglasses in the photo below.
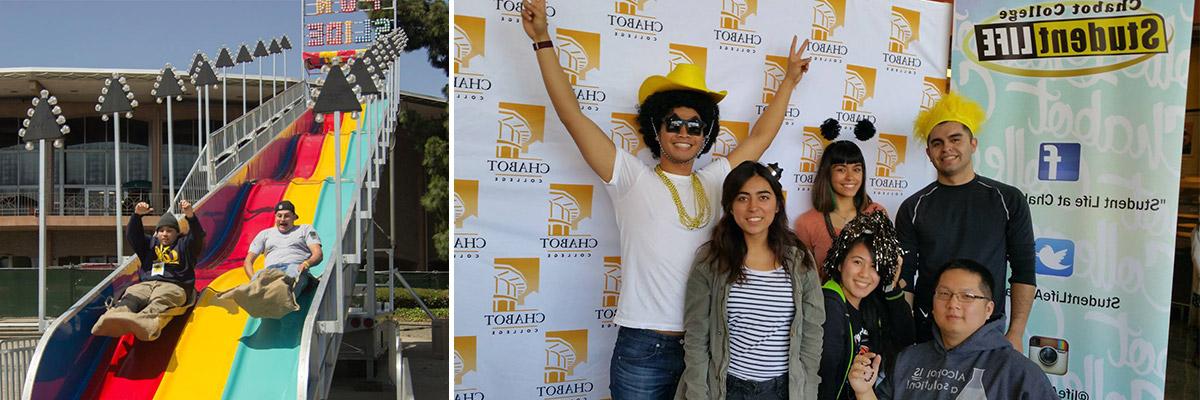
(663, 212)
(968, 358)
(964, 215)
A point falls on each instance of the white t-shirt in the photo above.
(656, 250)
(285, 248)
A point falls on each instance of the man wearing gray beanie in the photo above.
(166, 276)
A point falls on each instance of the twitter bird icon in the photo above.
(1054, 257)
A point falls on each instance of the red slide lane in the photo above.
(136, 368)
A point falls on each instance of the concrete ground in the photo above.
(430, 371)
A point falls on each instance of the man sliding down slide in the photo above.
(167, 276)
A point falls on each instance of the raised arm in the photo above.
(768, 124)
(135, 233)
(195, 236)
(598, 150)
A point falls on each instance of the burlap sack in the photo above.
(269, 295)
(145, 327)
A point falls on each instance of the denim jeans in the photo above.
(292, 270)
(645, 365)
(739, 389)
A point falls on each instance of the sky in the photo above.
(149, 33)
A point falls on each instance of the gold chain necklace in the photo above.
(701, 200)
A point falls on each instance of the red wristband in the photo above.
(542, 45)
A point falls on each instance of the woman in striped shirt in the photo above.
(753, 308)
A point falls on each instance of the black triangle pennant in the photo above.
(168, 85)
(224, 60)
(336, 94)
(42, 124)
(115, 100)
(244, 55)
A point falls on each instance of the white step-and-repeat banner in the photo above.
(1086, 116)
(537, 261)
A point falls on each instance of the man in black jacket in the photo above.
(166, 276)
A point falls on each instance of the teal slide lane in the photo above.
(267, 362)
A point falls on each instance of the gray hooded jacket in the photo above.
(985, 366)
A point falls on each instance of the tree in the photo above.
(426, 23)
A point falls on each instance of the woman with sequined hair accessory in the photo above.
(865, 309)
(665, 210)
(753, 307)
(839, 194)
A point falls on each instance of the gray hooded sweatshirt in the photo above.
(985, 366)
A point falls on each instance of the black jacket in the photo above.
(179, 259)
(840, 348)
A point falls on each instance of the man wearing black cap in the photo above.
(288, 247)
(166, 276)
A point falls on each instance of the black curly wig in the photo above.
(658, 106)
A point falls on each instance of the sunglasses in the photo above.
(694, 126)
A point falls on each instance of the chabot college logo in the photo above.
(860, 87)
(466, 201)
(812, 144)
(828, 16)
(625, 133)
(519, 126)
(611, 293)
(774, 70)
(465, 362)
(687, 54)
(888, 159)
(578, 54)
(464, 357)
(514, 280)
(469, 44)
(629, 20)
(932, 90)
(467, 242)
(732, 133)
(733, 33)
(569, 205)
(565, 351)
(905, 30)
(468, 40)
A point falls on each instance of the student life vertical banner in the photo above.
(1085, 104)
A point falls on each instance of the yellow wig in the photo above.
(952, 107)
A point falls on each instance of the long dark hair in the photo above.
(839, 152)
(656, 108)
(728, 245)
(878, 234)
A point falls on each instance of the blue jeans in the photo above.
(645, 365)
(292, 270)
(740, 389)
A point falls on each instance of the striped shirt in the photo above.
(760, 311)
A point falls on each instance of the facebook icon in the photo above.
(1058, 162)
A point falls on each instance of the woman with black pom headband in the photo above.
(839, 192)
(865, 310)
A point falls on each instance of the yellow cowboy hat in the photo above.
(685, 77)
